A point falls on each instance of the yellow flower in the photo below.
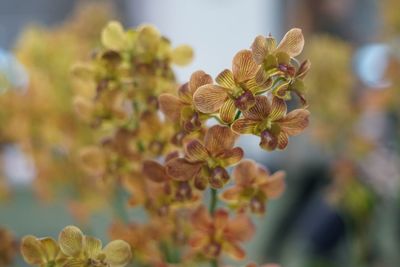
(43, 252)
(87, 251)
(74, 250)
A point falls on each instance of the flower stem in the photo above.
(214, 263)
(213, 201)
(238, 115)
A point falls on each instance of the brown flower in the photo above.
(271, 123)
(254, 186)
(235, 90)
(217, 234)
(206, 161)
(180, 108)
(174, 190)
(276, 62)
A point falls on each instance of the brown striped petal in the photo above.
(292, 43)
(225, 79)
(201, 219)
(195, 151)
(243, 66)
(283, 140)
(209, 98)
(231, 156)
(245, 173)
(295, 121)
(244, 126)
(219, 138)
(274, 186)
(228, 110)
(240, 228)
(171, 106)
(278, 109)
(154, 171)
(181, 169)
(259, 49)
(199, 78)
(260, 110)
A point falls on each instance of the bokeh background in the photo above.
(342, 203)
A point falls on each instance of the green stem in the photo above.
(214, 263)
(119, 204)
(213, 201)
(213, 206)
(238, 115)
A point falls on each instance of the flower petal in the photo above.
(231, 194)
(292, 43)
(244, 126)
(225, 79)
(240, 228)
(181, 169)
(171, 106)
(209, 98)
(118, 253)
(71, 241)
(260, 110)
(219, 138)
(228, 111)
(182, 55)
(92, 246)
(154, 171)
(50, 247)
(234, 250)
(231, 156)
(113, 36)
(32, 250)
(295, 121)
(201, 219)
(278, 109)
(259, 49)
(74, 263)
(243, 66)
(221, 218)
(274, 185)
(245, 173)
(197, 79)
(195, 151)
(283, 140)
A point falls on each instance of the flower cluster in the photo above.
(74, 249)
(174, 163)
(40, 121)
